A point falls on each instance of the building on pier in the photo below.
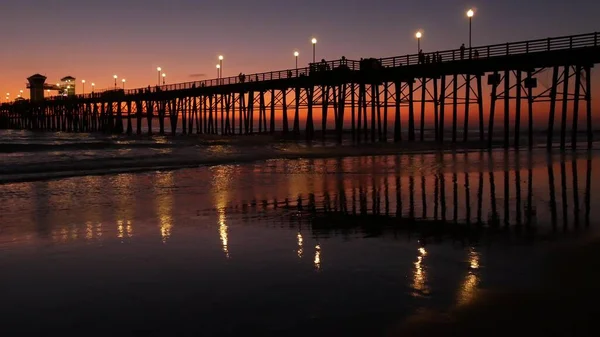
(67, 86)
(36, 87)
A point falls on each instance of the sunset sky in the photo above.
(93, 40)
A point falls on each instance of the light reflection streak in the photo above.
(468, 289)
(99, 230)
(222, 179)
(164, 184)
(120, 229)
(318, 257)
(300, 250)
(420, 275)
(89, 230)
(129, 229)
(223, 231)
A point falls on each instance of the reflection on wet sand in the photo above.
(163, 186)
(318, 257)
(468, 288)
(300, 249)
(420, 275)
(393, 222)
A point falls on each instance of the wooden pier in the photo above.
(356, 97)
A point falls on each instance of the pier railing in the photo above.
(479, 52)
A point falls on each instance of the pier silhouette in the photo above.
(370, 90)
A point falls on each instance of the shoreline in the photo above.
(110, 166)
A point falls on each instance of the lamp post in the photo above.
(314, 43)
(296, 54)
(123, 80)
(48, 92)
(163, 76)
(419, 35)
(115, 77)
(20, 93)
(218, 73)
(83, 86)
(159, 69)
(221, 67)
(93, 85)
(470, 14)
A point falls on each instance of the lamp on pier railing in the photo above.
(221, 66)
(115, 77)
(159, 69)
(314, 44)
(163, 76)
(123, 80)
(419, 35)
(93, 85)
(48, 92)
(296, 54)
(470, 14)
(83, 86)
(218, 72)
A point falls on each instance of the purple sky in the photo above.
(93, 40)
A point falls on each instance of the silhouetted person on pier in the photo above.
(421, 58)
(242, 78)
(256, 78)
(462, 51)
(476, 54)
(289, 74)
(438, 57)
(343, 62)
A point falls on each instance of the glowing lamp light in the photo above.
(164, 75)
(115, 77)
(418, 35)
(123, 80)
(296, 53)
(314, 41)
(218, 66)
(470, 13)
(159, 69)
(83, 81)
(220, 57)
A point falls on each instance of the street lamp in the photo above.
(83, 86)
(163, 76)
(218, 72)
(48, 92)
(123, 80)
(159, 69)
(314, 43)
(221, 66)
(93, 85)
(419, 35)
(296, 54)
(115, 77)
(470, 14)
